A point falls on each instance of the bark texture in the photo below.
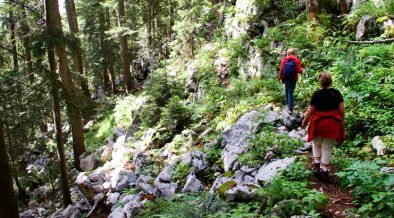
(8, 205)
(76, 48)
(128, 83)
(55, 31)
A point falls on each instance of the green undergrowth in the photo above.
(373, 190)
(363, 73)
(267, 145)
(102, 128)
(120, 116)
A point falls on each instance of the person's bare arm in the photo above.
(342, 109)
(311, 110)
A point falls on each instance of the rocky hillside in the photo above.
(209, 136)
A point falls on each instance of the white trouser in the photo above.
(322, 147)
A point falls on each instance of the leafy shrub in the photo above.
(150, 115)
(180, 171)
(278, 145)
(162, 87)
(297, 171)
(389, 7)
(372, 189)
(286, 198)
(187, 205)
(175, 114)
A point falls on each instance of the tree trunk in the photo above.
(312, 8)
(110, 53)
(8, 204)
(58, 123)
(76, 50)
(27, 46)
(104, 50)
(13, 42)
(128, 83)
(343, 5)
(55, 31)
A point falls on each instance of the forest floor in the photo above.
(340, 199)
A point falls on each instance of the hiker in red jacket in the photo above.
(325, 113)
(288, 74)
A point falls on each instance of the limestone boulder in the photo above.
(268, 171)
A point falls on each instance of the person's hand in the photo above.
(303, 125)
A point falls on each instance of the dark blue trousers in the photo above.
(289, 90)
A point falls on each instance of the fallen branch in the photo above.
(373, 42)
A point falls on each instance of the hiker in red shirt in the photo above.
(288, 74)
(325, 113)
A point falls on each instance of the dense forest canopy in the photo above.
(165, 108)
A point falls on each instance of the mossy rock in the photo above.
(226, 186)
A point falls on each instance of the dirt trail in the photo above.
(340, 200)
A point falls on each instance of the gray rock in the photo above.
(271, 117)
(135, 126)
(117, 212)
(252, 65)
(165, 174)
(239, 192)
(118, 132)
(87, 161)
(90, 185)
(83, 205)
(197, 159)
(112, 198)
(192, 184)
(236, 139)
(191, 84)
(41, 192)
(119, 149)
(71, 212)
(235, 25)
(378, 145)
(88, 125)
(292, 121)
(268, 171)
(125, 181)
(247, 170)
(366, 27)
(107, 152)
(131, 208)
(57, 214)
(41, 212)
(217, 183)
(27, 214)
(166, 189)
(387, 170)
(143, 183)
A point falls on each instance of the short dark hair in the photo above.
(325, 79)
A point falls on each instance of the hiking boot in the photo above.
(316, 168)
(325, 176)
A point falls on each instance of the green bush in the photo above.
(279, 145)
(150, 115)
(176, 114)
(298, 170)
(286, 198)
(373, 190)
